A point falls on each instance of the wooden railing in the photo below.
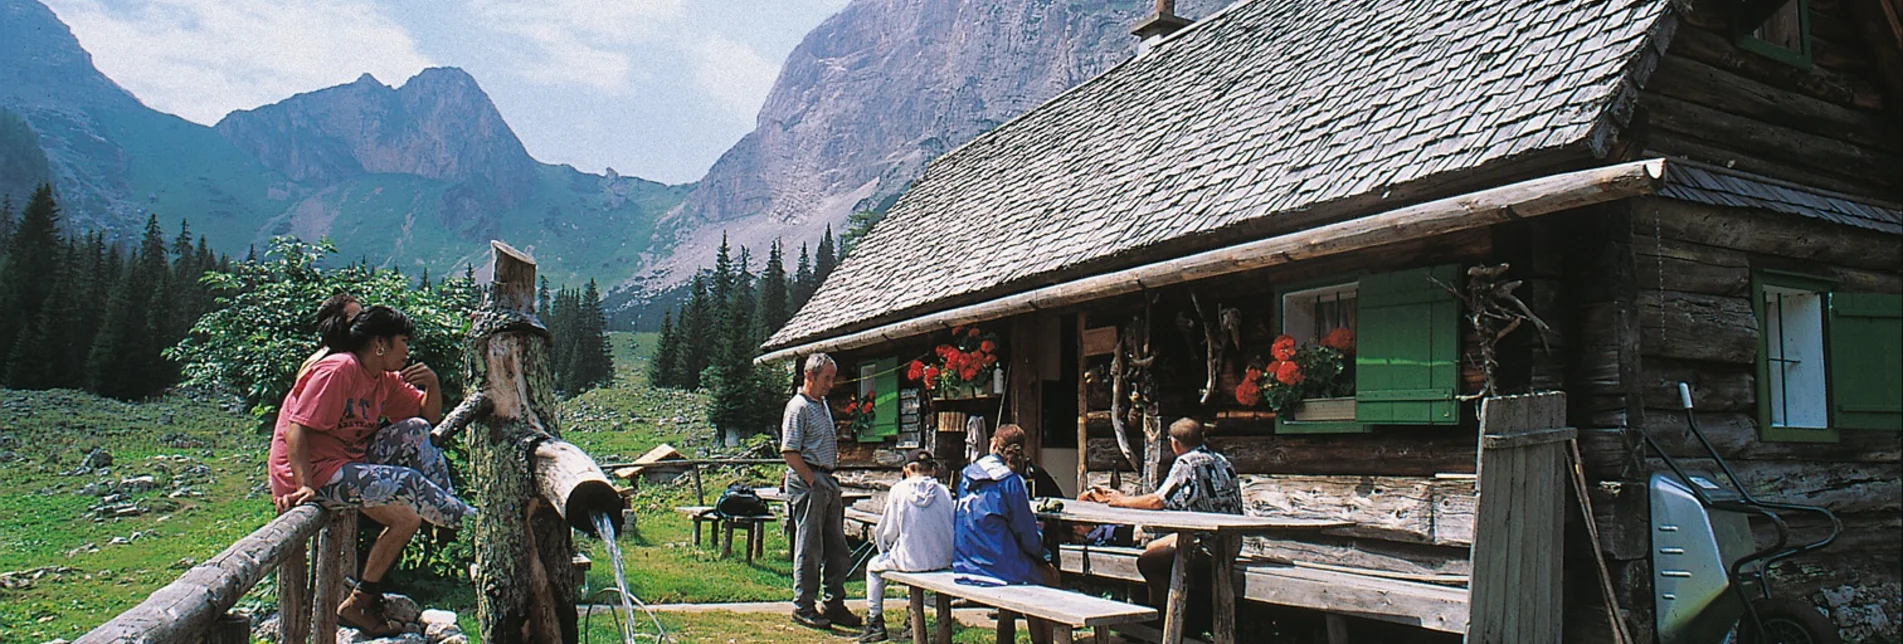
(193, 608)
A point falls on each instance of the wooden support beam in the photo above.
(1525, 199)
(185, 608)
(1519, 541)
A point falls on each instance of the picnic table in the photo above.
(1224, 534)
(777, 495)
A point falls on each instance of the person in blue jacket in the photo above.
(996, 541)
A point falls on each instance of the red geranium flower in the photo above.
(1342, 339)
(972, 332)
(988, 346)
(1283, 349)
(1247, 393)
(1288, 373)
(867, 407)
(915, 371)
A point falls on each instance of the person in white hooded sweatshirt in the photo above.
(914, 535)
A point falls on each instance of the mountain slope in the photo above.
(112, 158)
(418, 176)
(876, 92)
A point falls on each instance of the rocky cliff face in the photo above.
(876, 92)
(439, 125)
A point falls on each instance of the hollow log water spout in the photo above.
(574, 485)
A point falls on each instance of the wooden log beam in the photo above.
(1361, 454)
(1525, 199)
(1391, 508)
(294, 595)
(185, 608)
(574, 487)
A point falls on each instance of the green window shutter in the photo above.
(885, 401)
(1864, 341)
(1408, 348)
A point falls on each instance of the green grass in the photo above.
(41, 522)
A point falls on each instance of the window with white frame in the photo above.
(1309, 315)
(1794, 357)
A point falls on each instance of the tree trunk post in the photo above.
(531, 486)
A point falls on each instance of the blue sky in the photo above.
(652, 88)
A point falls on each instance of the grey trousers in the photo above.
(819, 541)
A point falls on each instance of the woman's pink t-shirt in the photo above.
(341, 404)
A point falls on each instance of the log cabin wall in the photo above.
(1692, 276)
(1830, 123)
(1409, 489)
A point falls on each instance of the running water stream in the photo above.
(605, 527)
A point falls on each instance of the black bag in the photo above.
(740, 501)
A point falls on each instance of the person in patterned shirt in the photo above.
(1199, 481)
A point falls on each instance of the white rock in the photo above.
(436, 616)
(458, 638)
(438, 632)
(400, 608)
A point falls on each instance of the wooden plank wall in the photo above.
(1518, 545)
(1828, 126)
(1693, 267)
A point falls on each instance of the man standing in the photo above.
(1199, 481)
(809, 444)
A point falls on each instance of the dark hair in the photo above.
(373, 322)
(333, 327)
(1010, 442)
(1188, 432)
(922, 461)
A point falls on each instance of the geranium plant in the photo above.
(966, 361)
(859, 413)
(1296, 373)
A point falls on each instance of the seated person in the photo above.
(914, 535)
(1199, 481)
(996, 541)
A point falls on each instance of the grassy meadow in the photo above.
(78, 545)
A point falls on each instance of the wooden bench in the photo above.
(1340, 592)
(699, 514)
(1067, 609)
(755, 534)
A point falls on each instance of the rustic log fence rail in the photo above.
(193, 608)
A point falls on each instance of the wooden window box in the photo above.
(1326, 410)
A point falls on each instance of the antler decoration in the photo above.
(1494, 311)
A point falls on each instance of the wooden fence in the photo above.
(193, 608)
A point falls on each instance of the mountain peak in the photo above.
(439, 125)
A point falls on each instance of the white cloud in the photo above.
(735, 75)
(586, 42)
(200, 59)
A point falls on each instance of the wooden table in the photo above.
(1224, 531)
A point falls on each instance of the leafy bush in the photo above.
(263, 326)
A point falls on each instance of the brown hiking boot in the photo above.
(364, 612)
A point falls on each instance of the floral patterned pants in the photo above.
(401, 468)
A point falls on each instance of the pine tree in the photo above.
(423, 283)
(802, 280)
(34, 362)
(598, 356)
(698, 321)
(723, 272)
(541, 300)
(124, 361)
(773, 302)
(827, 260)
(662, 366)
(6, 221)
(31, 266)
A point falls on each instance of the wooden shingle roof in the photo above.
(1266, 108)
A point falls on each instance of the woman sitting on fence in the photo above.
(329, 445)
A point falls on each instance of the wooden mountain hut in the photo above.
(1454, 200)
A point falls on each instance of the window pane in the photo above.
(1794, 348)
(1783, 28)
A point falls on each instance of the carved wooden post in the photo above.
(530, 486)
